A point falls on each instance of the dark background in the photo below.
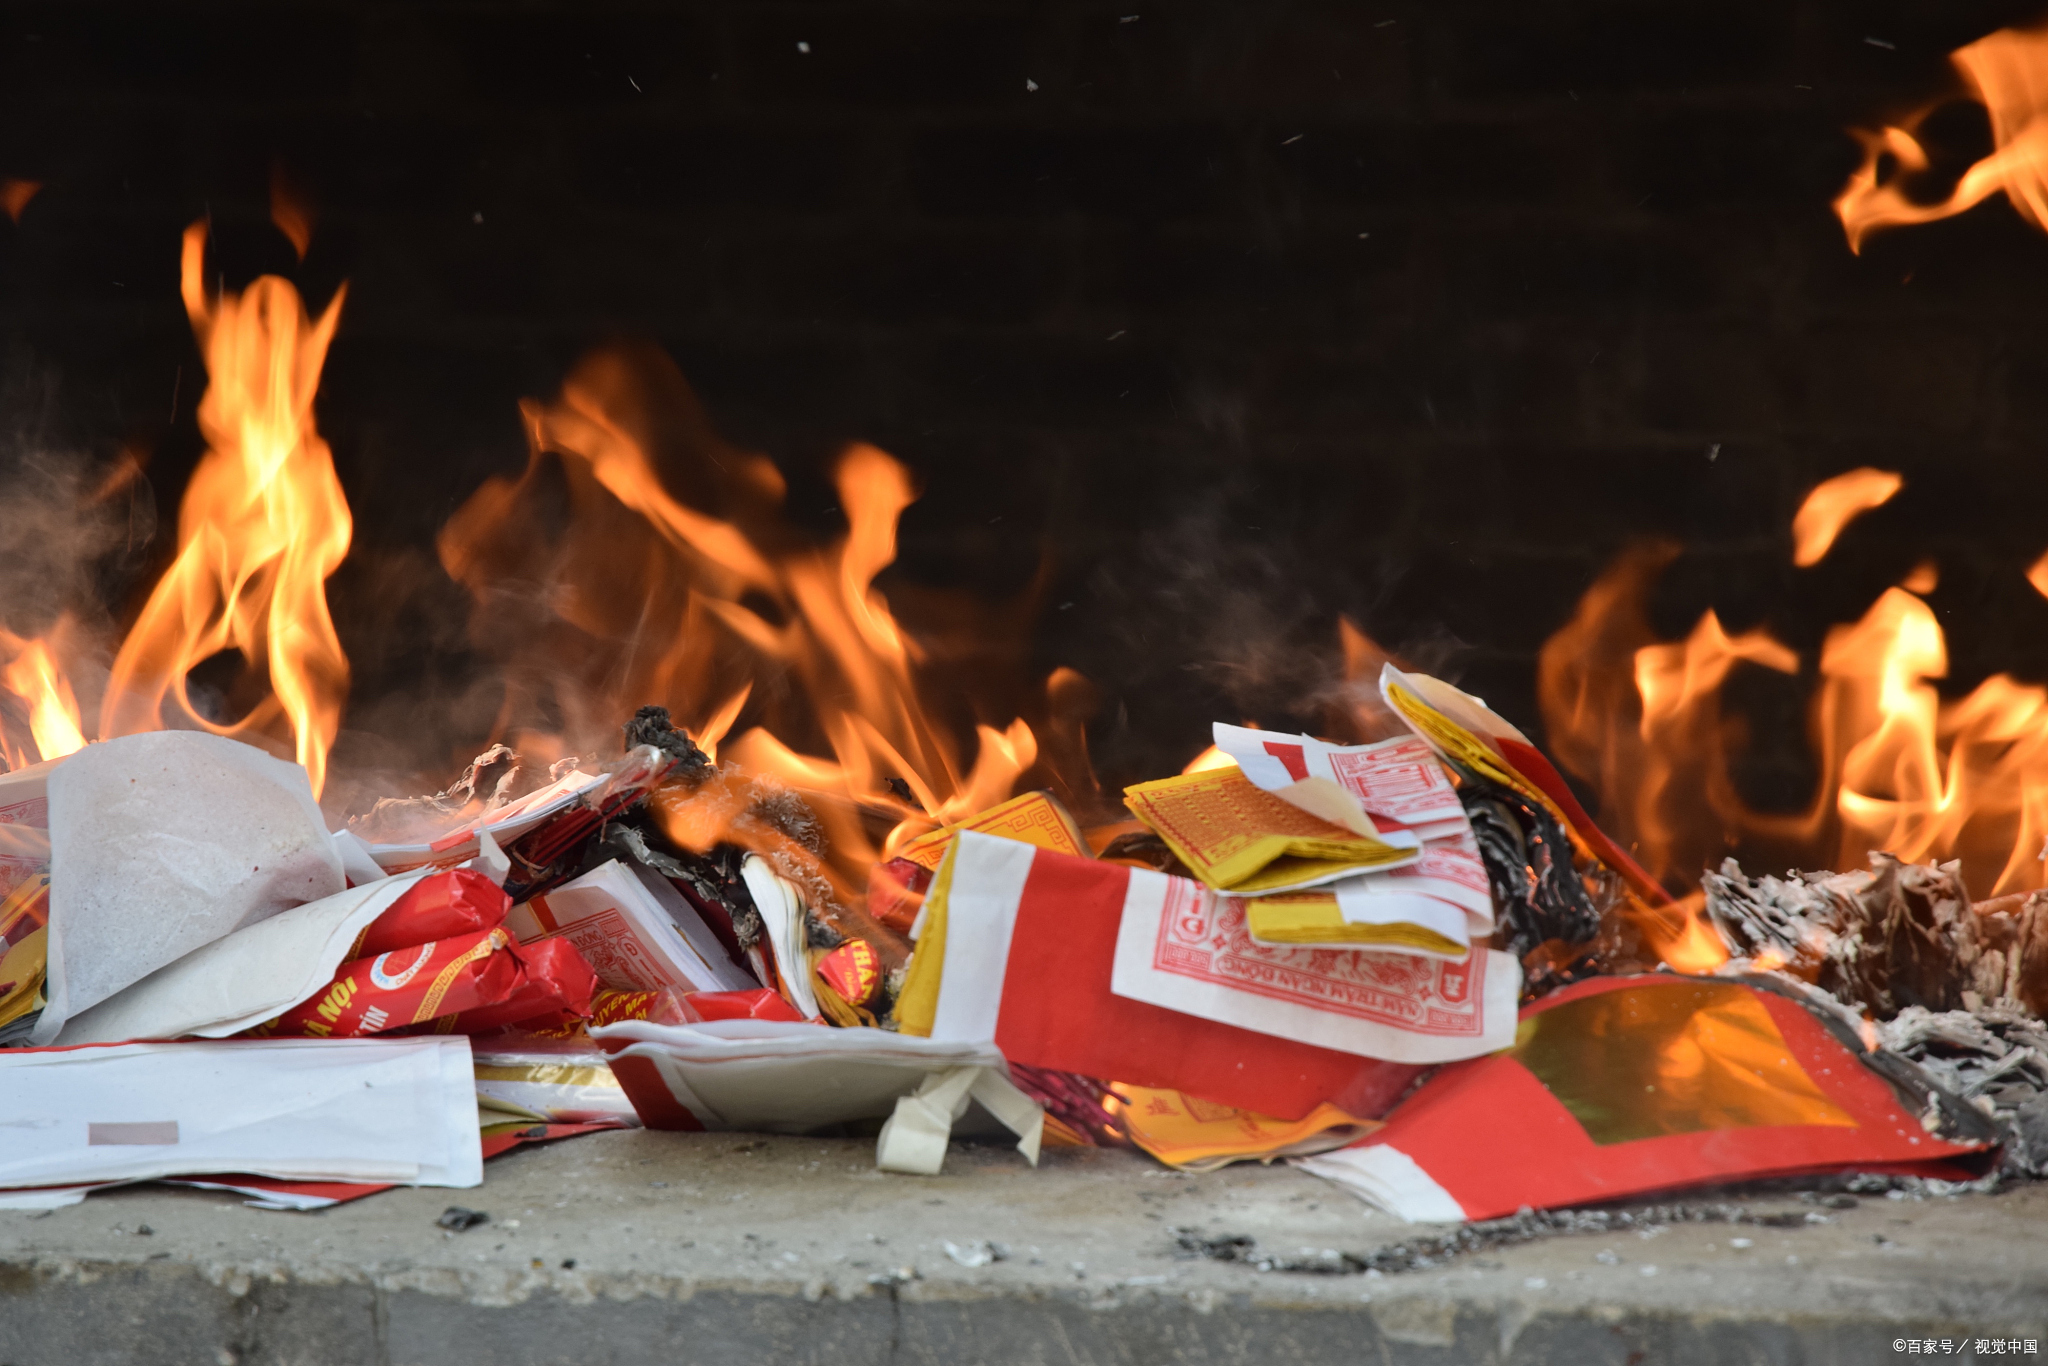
(1249, 315)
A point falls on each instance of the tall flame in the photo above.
(676, 581)
(1900, 769)
(33, 673)
(2007, 73)
(262, 526)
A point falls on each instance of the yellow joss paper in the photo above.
(1237, 837)
(917, 1004)
(21, 975)
(1036, 818)
(1199, 1135)
(1313, 918)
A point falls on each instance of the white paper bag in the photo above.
(164, 842)
(396, 1110)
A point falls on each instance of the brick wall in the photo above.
(1247, 315)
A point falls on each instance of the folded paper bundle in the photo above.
(1237, 837)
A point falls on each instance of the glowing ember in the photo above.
(2007, 73)
(1832, 505)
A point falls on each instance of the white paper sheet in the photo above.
(239, 981)
(782, 915)
(916, 1134)
(164, 842)
(778, 1076)
(397, 1110)
(634, 939)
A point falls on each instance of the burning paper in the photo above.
(635, 929)
(164, 842)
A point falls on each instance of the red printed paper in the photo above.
(1183, 947)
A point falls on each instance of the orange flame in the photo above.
(675, 581)
(32, 673)
(2037, 575)
(1832, 505)
(2007, 73)
(290, 211)
(1900, 769)
(15, 195)
(262, 526)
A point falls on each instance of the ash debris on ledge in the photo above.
(1435, 1251)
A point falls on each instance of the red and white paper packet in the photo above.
(1182, 946)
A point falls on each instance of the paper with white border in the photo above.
(1450, 871)
(982, 896)
(391, 1110)
(1397, 780)
(1387, 1178)
(1182, 947)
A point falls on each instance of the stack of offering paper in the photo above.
(1433, 907)
(1080, 966)
(1239, 838)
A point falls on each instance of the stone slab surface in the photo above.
(636, 1247)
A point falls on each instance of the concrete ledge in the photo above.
(637, 1247)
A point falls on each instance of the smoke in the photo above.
(1214, 614)
(74, 531)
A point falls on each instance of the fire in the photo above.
(2007, 73)
(262, 526)
(1832, 505)
(676, 581)
(1900, 768)
(32, 673)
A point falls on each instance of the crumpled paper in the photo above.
(242, 979)
(914, 1138)
(162, 843)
